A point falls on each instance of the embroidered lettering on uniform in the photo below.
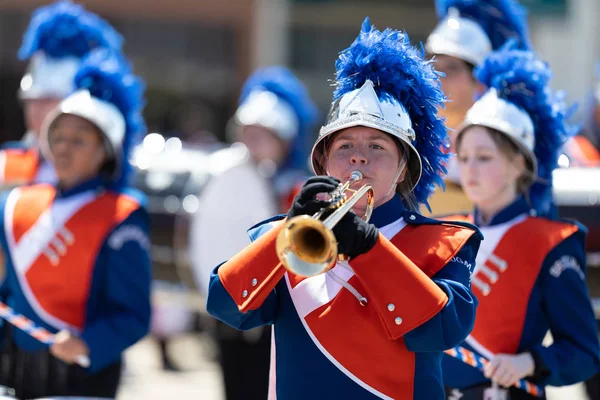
(463, 262)
(467, 264)
(128, 233)
(564, 263)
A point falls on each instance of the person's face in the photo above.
(374, 153)
(36, 111)
(488, 176)
(262, 144)
(77, 150)
(459, 85)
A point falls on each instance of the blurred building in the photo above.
(204, 49)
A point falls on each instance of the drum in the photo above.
(72, 398)
(235, 198)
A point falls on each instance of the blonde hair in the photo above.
(509, 149)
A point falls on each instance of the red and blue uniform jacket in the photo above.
(78, 260)
(374, 327)
(21, 164)
(530, 279)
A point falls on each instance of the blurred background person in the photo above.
(77, 253)
(273, 124)
(467, 32)
(56, 39)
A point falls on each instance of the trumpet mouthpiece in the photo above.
(356, 176)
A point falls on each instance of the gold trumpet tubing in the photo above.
(339, 213)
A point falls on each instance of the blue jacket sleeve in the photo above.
(119, 310)
(574, 354)
(455, 321)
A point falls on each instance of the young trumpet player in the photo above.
(374, 324)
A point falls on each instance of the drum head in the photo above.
(231, 202)
(72, 398)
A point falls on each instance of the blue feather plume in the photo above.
(108, 76)
(284, 84)
(399, 72)
(65, 29)
(500, 19)
(523, 79)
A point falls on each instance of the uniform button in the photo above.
(391, 307)
(398, 320)
(254, 282)
(245, 294)
(412, 217)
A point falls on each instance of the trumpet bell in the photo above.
(306, 246)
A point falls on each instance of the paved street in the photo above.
(145, 380)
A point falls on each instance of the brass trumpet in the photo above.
(306, 246)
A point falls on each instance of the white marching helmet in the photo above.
(48, 77)
(362, 107)
(496, 113)
(104, 115)
(459, 37)
(266, 109)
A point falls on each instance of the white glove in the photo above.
(508, 369)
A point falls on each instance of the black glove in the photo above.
(305, 202)
(354, 235)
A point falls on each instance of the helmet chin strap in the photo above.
(401, 166)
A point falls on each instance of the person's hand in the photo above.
(354, 235)
(508, 369)
(68, 348)
(306, 202)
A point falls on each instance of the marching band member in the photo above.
(77, 253)
(274, 119)
(530, 271)
(467, 32)
(373, 326)
(57, 37)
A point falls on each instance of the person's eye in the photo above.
(376, 146)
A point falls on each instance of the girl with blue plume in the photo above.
(274, 121)
(92, 229)
(372, 322)
(530, 272)
(468, 30)
(57, 38)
